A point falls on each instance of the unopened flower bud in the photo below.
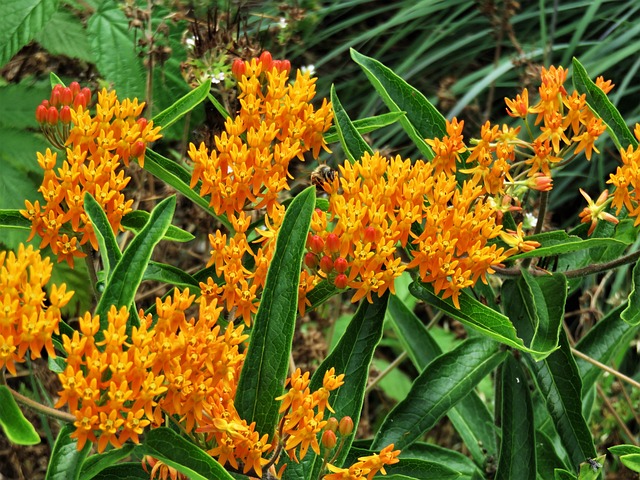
(329, 439)
(55, 98)
(41, 113)
(65, 115)
(332, 424)
(333, 243)
(285, 66)
(238, 68)
(66, 96)
(137, 149)
(341, 281)
(326, 264)
(369, 234)
(340, 265)
(345, 427)
(316, 244)
(311, 260)
(143, 122)
(75, 88)
(52, 116)
(266, 60)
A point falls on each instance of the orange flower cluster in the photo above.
(249, 169)
(25, 323)
(366, 467)
(117, 384)
(626, 181)
(96, 146)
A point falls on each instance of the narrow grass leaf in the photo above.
(267, 361)
(183, 105)
(352, 142)
(20, 21)
(440, 386)
(631, 314)
(365, 125)
(517, 448)
(128, 272)
(136, 219)
(107, 243)
(602, 106)
(66, 461)
(177, 452)
(14, 424)
(179, 178)
(470, 417)
(95, 464)
(422, 120)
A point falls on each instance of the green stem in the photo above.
(38, 407)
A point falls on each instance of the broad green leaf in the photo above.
(267, 361)
(13, 218)
(352, 142)
(98, 462)
(14, 424)
(179, 178)
(183, 106)
(624, 450)
(632, 462)
(365, 125)
(166, 445)
(128, 272)
(629, 456)
(422, 120)
(20, 21)
(434, 453)
(129, 470)
(602, 106)
(351, 356)
(19, 102)
(66, 461)
(476, 315)
(547, 459)
(606, 338)
(321, 293)
(171, 275)
(631, 314)
(470, 416)
(591, 469)
(562, 474)
(136, 219)
(572, 244)
(65, 35)
(517, 448)
(442, 384)
(114, 46)
(109, 249)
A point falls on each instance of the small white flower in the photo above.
(282, 23)
(311, 69)
(217, 77)
(190, 42)
(530, 220)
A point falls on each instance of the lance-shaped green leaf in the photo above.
(602, 343)
(322, 292)
(434, 453)
(164, 273)
(20, 22)
(517, 448)
(127, 274)
(137, 219)
(422, 120)
(351, 356)
(13, 218)
(602, 106)
(629, 456)
(104, 234)
(183, 105)
(66, 461)
(99, 462)
(547, 459)
(267, 361)
(352, 142)
(218, 106)
(562, 474)
(476, 315)
(14, 424)
(591, 469)
(572, 244)
(440, 386)
(631, 314)
(471, 418)
(169, 447)
(179, 178)
(365, 125)
(129, 470)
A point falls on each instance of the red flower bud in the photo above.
(52, 116)
(66, 96)
(311, 260)
(333, 243)
(55, 98)
(370, 234)
(341, 281)
(75, 88)
(41, 113)
(266, 60)
(340, 265)
(65, 115)
(143, 122)
(316, 244)
(326, 264)
(329, 439)
(238, 68)
(285, 65)
(332, 424)
(346, 426)
(137, 149)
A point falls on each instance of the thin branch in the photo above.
(386, 371)
(606, 368)
(619, 420)
(38, 407)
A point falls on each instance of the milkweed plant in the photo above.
(198, 383)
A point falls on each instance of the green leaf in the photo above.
(115, 50)
(592, 468)
(129, 470)
(65, 35)
(352, 142)
(20, 21)
(109, 249)
(136, 219)
(321, 293)
(179, 178)
(218, 106)
(604, 340)
(183, 106)
(445, 381)
(476, 315)
(631, 314)
(470, 416)
(13, 218)
(602, 106)
(629, 456)
(434, 453)
(169, 447)
(547, 459)
(15, 426)
(99, 462)
(365, 125)
(562, 474)
(66, 461)
(572, 244)
(19, 102)
(632, 462)
(267, 361)
(624, 450)
(517, 448)
(422, 120)
(164, 273)
(128, 272)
